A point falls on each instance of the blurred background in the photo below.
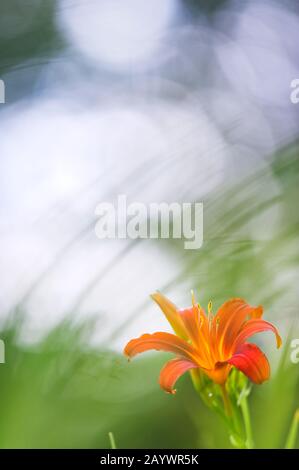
(175, 101)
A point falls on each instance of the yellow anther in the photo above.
(210, 307)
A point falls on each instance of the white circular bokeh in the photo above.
(118, 34)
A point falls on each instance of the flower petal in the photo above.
(197, 327)
(161, 342)
(172, 371)
(252, 362)
(252, 327)
(171, 313)
(229, 320)
(191, 320)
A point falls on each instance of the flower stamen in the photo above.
(193, 298)
(210, 314)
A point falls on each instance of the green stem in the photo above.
(292, 436)
(232, 420)
(226, 401)
(112, 440)
(247, 423)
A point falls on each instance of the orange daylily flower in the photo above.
(211, 343)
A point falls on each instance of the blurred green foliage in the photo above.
(63, 393)
(28, 32)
